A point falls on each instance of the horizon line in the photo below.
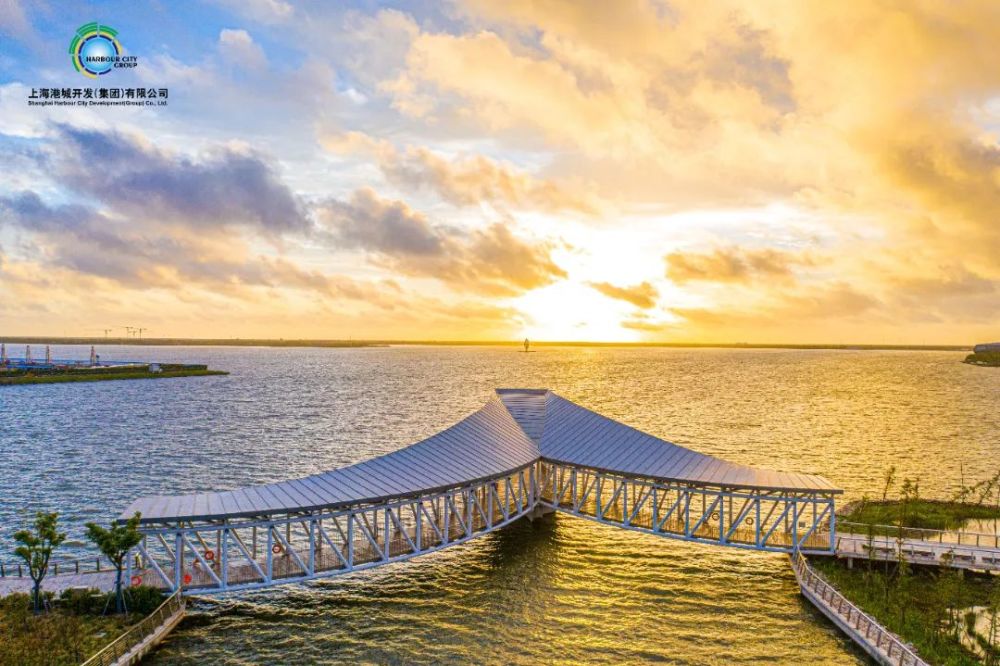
(362, 342)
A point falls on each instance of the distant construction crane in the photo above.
(140, 330)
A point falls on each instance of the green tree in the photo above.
(116, 543)
(36, 549)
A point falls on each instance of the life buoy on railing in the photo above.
(749, 521)
(136, 581)
(276, 549)
(187, 578)
(209, 555)
(715, 515)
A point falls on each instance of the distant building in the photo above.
(987, 347)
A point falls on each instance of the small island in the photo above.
(28, 370)
(987, 355)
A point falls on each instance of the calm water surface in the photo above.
(560, 591)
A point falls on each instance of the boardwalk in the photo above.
(884, 646)
(925, 547)
(525, 452)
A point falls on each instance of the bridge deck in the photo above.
(526, 448)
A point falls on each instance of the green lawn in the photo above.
(74, 629)
(920, 513)
(53, 638)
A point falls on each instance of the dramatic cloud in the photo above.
(224, 187)
(387, 227)
(490, 260)
(761, 171)
(80, 239)
(731, 265)
(465, 181)
(642, 295)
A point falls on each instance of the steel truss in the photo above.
(247, 553)
(770, 520)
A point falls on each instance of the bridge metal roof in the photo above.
(515, 428)
(570, 434)
(486, 444)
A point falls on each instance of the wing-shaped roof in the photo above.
(568, 433)
(486, 444)
(515, 428)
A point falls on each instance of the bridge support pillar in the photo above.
(538, 512)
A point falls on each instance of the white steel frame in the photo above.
(247, 553)
(770, 520)
(207, 557)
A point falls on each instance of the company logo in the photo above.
(95, 51)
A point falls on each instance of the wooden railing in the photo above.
(866, 628)
(138, 632)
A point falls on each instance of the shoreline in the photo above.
(70, 377)
(333, 343)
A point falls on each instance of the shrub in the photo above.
(83, 601)
(142, 599)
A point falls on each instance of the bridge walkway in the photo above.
(525, 451)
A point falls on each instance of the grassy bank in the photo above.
(919, 513)
(58, 375)
(990, 359)
(925, 608)
(56, 379)
(74, 629)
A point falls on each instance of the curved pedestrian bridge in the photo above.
(524, 453)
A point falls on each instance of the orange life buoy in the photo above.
(209, 555)
(187, 578)
(276, 548)
(136, 581)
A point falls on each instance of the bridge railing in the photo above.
(254, 552)
(79, 565)
(745, 518)
(957, 537)
(138, 632)
(866, 627)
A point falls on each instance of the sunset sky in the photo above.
(613, 171)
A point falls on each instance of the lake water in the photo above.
(559, 591)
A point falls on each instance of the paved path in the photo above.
(104, 581)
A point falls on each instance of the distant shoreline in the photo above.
(986, 359)
(265, 342)
(57, 374)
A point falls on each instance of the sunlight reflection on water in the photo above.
(560, 591)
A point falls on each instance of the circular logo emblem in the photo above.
(95, 49)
